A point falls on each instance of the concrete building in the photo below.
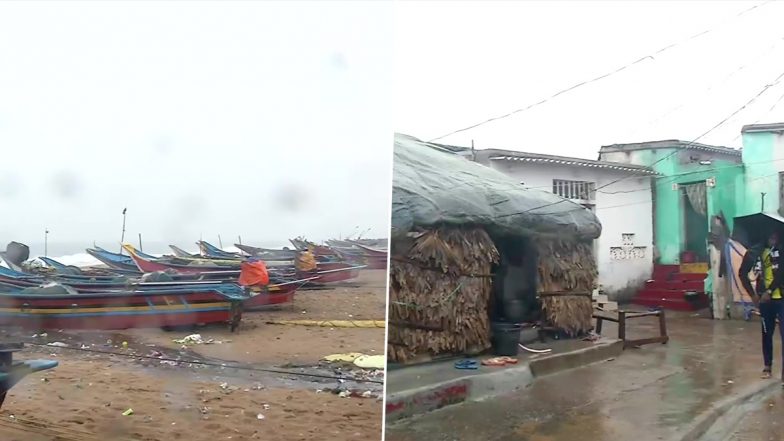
(695, 182)
(763, 170)
(624, 252)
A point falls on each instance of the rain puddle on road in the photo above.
(651, 393)
(760, 419)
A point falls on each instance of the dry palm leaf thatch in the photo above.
(567, 266)
(571, 314)
(439, 293)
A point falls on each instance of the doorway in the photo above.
(694, 205)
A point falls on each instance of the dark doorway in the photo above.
(695, 221)
(515, 281)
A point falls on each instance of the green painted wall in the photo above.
(761, 174)
(669, 211)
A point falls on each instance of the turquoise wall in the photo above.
(761, 174)
(668, 217)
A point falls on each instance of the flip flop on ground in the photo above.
(467, 364)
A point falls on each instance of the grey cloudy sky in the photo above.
(265, 120)
(460, 63)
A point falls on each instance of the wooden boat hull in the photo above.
(179, 252)
(267, 254)
(378, 263)
(368, 251)
(272, 295)
(327, 272)
(331, 272)
(121, 310)
(151, 266)
(209, 250)
(110, 260)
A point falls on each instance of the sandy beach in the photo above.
(264, 382)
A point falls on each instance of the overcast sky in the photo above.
(460, 63)
(256, 119)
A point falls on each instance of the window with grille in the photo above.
(575, 190)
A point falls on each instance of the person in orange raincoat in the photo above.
(253, 273)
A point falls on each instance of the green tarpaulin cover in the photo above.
(433, 187)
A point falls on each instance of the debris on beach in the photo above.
(57, 344)
(194, 339)
(358, 359)
(349, 393)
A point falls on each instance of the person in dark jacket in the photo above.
(767, 295)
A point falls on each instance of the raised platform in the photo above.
(416, 390)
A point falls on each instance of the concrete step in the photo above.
(675, 285)
(686, 277)
(664, 271)
(672, 304)
(697, 268)
(662, 294)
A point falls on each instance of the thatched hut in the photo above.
(471, 247)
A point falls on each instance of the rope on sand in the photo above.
(332, 323)
(229, 365)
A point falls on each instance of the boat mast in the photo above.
(122, 238)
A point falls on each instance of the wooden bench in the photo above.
(621, 317)
(12, 372)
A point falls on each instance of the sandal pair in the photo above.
(499, 361)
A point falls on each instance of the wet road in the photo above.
(762, 422)
(646, 394)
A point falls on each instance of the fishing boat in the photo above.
(113, 260)
(326, 272)
(370, 251)
(179, 252)
(318, 250)
(152, 266)
(276, 293)
(180, 306)
(209, 250)
(268, 254)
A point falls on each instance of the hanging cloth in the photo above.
(698, 198)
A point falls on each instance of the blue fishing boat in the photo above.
(209, 250)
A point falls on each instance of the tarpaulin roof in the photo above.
(433, 187)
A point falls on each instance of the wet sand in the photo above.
(260, 342)
(85, 397)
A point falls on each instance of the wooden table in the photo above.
(622, 316)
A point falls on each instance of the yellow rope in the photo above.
(332, 323)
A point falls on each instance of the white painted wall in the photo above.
(622, 208)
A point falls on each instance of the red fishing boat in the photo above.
(271, 295)
(180, 306)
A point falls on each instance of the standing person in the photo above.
(306, 261)
(767, 295)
